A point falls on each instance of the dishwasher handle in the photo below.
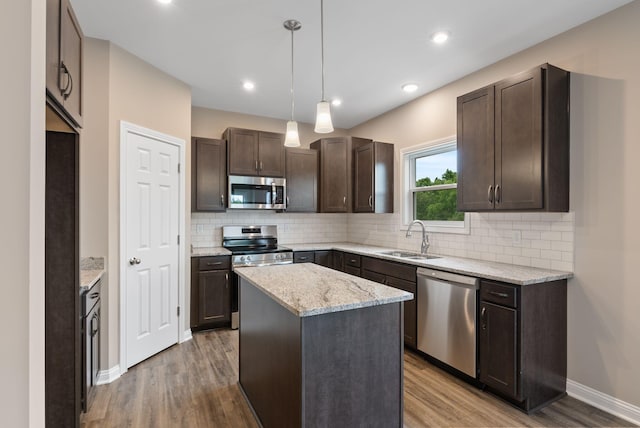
(439, 275)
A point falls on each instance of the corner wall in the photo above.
(602, 55)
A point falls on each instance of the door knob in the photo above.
(134, 261)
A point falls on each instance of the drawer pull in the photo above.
(214, 264)
(303, 258)
(94, 295)
(352, 261)
(498, 294)
(483, 317)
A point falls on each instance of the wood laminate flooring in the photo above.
(194, 385)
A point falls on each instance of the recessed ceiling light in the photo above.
(410, 87)
(440, 37)
(249, 86)
(336, 102)
(164, 1)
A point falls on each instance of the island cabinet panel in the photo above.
(522, 351)
(513, 143)
(335, 369)
(403, 277)
(210, 292)
(208, 174)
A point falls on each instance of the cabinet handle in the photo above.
(214, 264)
(287, 201)
(344, 200)
(303, 258)
(490, 193)
(370, 201)
(483, 317)
(226, 281)
(256, 165)
(261, 165)
(498, 194)
(94, 295)
(352, 261)
(498, 294)
(65, 70)
(222, 200)
(70, 86)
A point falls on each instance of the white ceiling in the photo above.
(372, 47)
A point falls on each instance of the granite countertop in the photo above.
(513, 274)
(91, 270)
(306, 289)
(209, 251)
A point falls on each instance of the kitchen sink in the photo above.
(409, 255)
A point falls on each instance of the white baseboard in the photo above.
(604, 402)
(186, 336)
(108, 376)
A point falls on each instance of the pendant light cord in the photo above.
(322, 44)
(292, 98)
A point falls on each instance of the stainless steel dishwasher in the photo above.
(447, 318)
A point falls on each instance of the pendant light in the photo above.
(323, 112)
(292, 139)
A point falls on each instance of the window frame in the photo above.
(409, 189)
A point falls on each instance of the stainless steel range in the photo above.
(252, 246)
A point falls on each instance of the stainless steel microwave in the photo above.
(257, 193)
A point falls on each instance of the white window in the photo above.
(430, 187)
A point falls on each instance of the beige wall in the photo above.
(209, 123)
(602, 55)
(22, 216)
(121, 87)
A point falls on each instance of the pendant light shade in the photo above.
(292, 139)
(323, 112)
(323, 118)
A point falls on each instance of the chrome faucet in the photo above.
(425, 239)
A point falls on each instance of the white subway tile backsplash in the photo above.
(546, 240)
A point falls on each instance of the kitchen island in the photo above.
(320, 348)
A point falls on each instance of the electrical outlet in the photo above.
(516, 237)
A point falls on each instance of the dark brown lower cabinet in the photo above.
(522, 348)
(323, 258)
(397, 275)
(210, 292)
(303, 257)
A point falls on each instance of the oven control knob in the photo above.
(242, 259)
(278, 256)
(248, 259)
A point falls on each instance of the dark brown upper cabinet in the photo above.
(64, 59)
(335, 160)
(373, 178)
(513, 144)
(302, 180)
(255, 153)
(208, 174)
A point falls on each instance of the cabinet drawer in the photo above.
(397, 270)
(374, 276)
(352, 270)
(214, 263)
(502, 294)
(352, 260)
(91, 297)
(303, 257)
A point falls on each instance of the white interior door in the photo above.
(151, 257)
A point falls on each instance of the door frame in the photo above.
(126, 128)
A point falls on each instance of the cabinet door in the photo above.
(302, 180)
(71, 62)
(338, 260)
(476, 185)
(271, 154)
(53, 49)
(209, 174)
(410, 310)
(518, 130)
(324, 258)
(243, 151)
(335, 169)
(498, 348)
(215, 298)
(363, 164)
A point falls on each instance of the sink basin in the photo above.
(408, 255)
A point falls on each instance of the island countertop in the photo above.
(307, 289)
